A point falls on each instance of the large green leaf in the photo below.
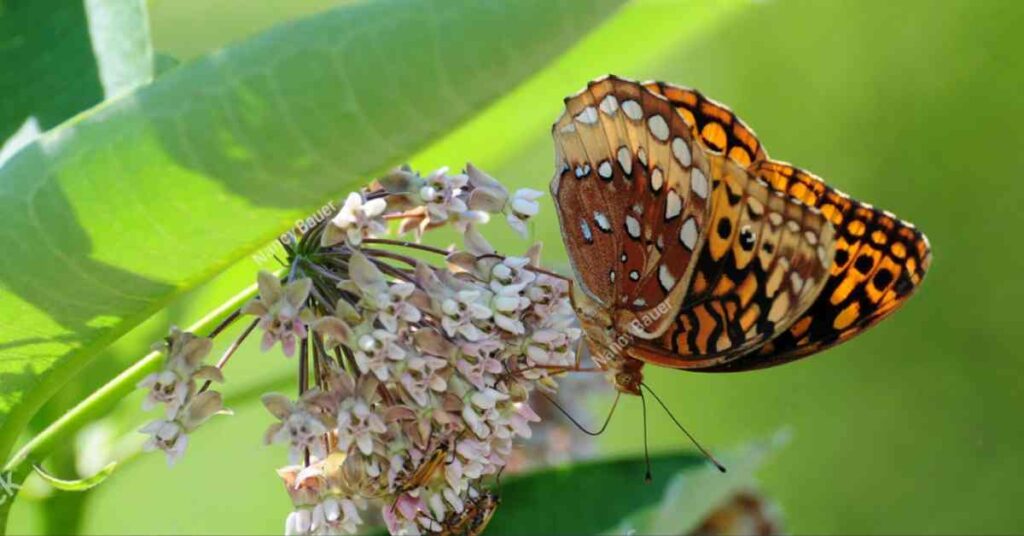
(48, 64)
(586, 498)
(60, 57)
(114, 214)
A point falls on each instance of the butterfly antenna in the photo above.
(647, 454)
(576, 423)
(703, 451)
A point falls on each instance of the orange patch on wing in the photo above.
(843, 290)
(714, 135)
(847, 316)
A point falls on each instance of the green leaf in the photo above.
(692, 494)
(81, 484)
(585, 498)
(114, 214)
(187, 29)
(58, 56)
(119, 30)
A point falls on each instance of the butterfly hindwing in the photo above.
(834, 317)
(879, 262)
(766, 259)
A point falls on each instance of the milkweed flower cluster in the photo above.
(415, 363)
(175, 386)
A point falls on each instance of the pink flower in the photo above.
(356, 220)
(301, 426)
(281, 310)
(358, 425)
(521, 208)
(168, 436)
(376, 351)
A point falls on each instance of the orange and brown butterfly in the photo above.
(694, 250)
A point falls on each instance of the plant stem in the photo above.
(405, 244)
(231, 351)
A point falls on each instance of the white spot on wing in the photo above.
(688, 233)
(633, 226)
(588, 116)
(755, 207)
(602, 222)
(625, 160)
(605, 170)
(681, 151)
(609, 104)
(632, 110)
(673, 205)
(658, 127)
(699, 183)
(657, 179)
(634, 275)
(666, 278)
(587, 234)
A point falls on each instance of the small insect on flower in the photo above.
(426, 470)
(473, 519)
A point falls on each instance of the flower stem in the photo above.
(231, 351)
(405, 244)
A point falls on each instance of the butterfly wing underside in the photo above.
(765, 260)
(633, 200)
(671, 209)
(880, 260)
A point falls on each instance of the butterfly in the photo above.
(694, 250)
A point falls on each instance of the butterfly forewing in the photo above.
(646, 196)
(715, 125)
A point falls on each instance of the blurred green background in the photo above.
(912, 105)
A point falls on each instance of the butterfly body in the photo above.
(693, 250)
